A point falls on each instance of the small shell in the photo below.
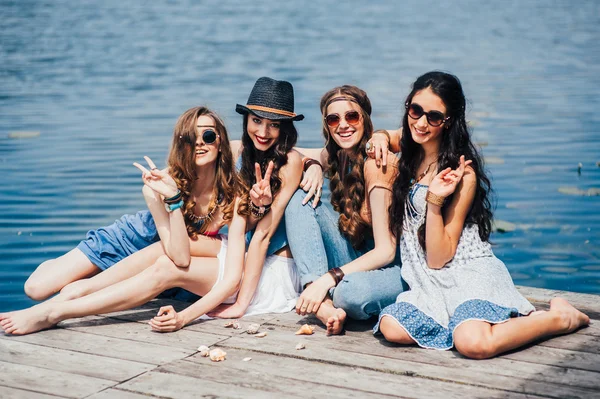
(253, 328)
(261, 334)
(217, 355)
(300, 345)
(306, 330)
(203, 349)
(233, 324)
(246, 359)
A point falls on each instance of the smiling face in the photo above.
(346, 135)
(205, 153)
(420, 129)
(264, 133)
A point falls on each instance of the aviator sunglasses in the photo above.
(434, 118)
(209, 136)
(352, 117)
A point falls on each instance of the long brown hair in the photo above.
(348, 186)
(183, 168)
(288, 135)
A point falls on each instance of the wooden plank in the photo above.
(260, 380)
(49, 381)
(104, 346)
(13, 393)
(446, 366)
(581, 301)
(112, 393)
(215, 326)
(304, 374)
(169, 385)
(71, 362)
(139, 332)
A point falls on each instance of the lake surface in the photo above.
(104, 82)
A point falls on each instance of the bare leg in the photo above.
(393, 331)
(52, 275)
(333, 318)
(481, 340)
(199, 278)
(126, 268)
(132, 265)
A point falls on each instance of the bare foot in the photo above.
(26, 321)
(333, 318)
(572, 317)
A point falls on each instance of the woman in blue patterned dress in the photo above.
(460, 293)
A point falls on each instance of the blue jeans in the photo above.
(318, 245)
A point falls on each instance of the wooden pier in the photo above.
(118, 356)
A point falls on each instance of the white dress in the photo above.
(474, 285)
(278, 288)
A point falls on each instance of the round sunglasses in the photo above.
(333, 120)
(209, 136)
(434, 118)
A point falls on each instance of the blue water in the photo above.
(103, 83)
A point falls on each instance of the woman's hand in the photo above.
(159, 181)
(313, 295)
(445, 182)
(312, 183)
(260, 193)
(228, 311)
(167, 320)
(377, 147)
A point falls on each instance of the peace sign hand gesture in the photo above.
(446, 181)
(159, 181)
(260, 193)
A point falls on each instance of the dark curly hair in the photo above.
(278, 153)
(455, 141)
(346, 170)
(183, 168)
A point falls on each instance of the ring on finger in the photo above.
(369, 146)
(319, 191)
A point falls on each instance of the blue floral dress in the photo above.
(474, 285)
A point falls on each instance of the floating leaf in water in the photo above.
(23, 135)
(502, 226)
(494, 160)
(591, 192)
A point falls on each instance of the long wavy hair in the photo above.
(346, 170)
(455, 141)
(182, 167)
(278, 153)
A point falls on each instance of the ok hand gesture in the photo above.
(159, 181)
(260, 193)
(446, 181)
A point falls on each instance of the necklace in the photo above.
(199, 220)
(422, 175)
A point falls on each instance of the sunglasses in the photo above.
(333, 120)
(209, 136)
(434, 118)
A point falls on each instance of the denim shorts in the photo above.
(108, 245)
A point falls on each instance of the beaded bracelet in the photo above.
(259, 211)
(435, 199)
